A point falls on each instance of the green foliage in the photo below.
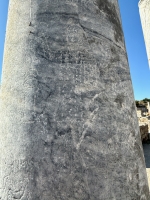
(146, 100)
(142, 102)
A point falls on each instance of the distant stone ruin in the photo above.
(143, 114)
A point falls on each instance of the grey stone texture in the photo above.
(68, 124)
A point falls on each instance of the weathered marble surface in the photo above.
(68, 127)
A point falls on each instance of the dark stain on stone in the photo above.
(119, 100)
(92, 40)
(114, 59)
(112, 15)
(31, 32)
(133, 107)
(92, 107)
(88, 133)
(133, 133)
(113, 50)
(103, 101)
(64, 131)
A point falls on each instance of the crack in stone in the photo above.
(99, 34)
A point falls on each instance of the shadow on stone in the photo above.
(146, 148)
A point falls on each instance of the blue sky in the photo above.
(3, 19)
(138, 62)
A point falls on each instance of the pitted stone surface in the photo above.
(69, 129)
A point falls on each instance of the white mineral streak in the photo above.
(144, 8)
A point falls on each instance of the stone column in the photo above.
(144, 8)
(68, 124)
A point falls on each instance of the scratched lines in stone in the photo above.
(59, 2)
(80, 74)
(43, 46)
